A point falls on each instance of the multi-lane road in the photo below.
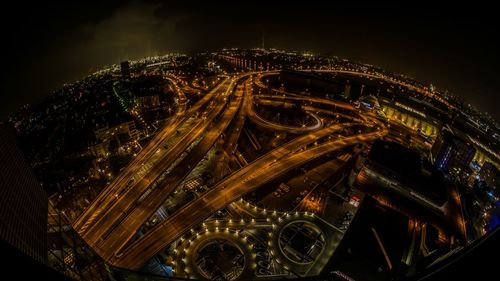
(111, 223)
(114, 207)
(267, 167)
(143, 209)
(271, 165)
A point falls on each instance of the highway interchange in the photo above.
(111, 223)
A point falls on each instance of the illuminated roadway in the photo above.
(111, 221)
(120, 182)
(143, 209)
(265, 168)
(231, 143)
(90, 218)
(257, 119)
(228, 190)
(127, 212)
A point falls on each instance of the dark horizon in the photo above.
(453, 50)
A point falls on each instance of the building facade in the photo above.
(452, 154)
(490, 175)
(23, 202)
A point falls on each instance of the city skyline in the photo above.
(192, 140)
(283, 162)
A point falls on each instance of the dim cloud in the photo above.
(132, 32)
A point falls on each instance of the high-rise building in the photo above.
(452, 154)
(23, 202)
(125, 69)
(39, 236)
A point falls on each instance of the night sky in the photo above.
(49, 45)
